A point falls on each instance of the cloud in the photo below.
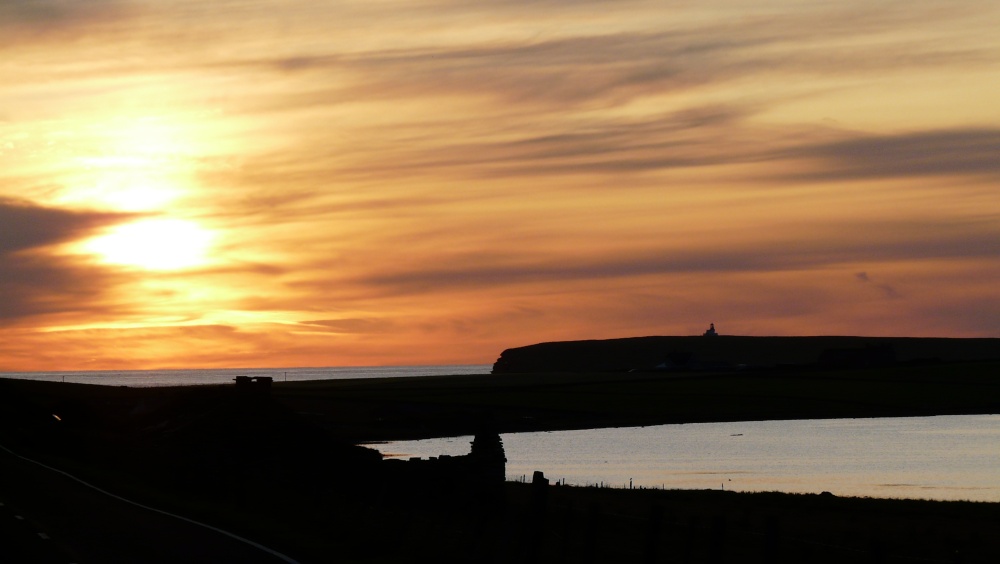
(920, 153)
(531, 106)
(35, 286)
(887, 290)
(33, 282)
(557, 69)
(819, 247)
(558, 72)
(24, 225)
(28, 18)
(692, 137)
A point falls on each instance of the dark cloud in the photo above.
(27, 18)
(887, 290)
(25, 226)
(921, 153)
(34, 283)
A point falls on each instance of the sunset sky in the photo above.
(264, 183)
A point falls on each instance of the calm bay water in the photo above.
(150, 378)
(944, 458)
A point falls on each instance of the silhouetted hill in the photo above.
(721, 352)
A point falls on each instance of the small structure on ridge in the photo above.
(254, 384)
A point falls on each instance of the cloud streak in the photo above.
(25, 226)
(958, 152)
(34, 282)
(870, 244)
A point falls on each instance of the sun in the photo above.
(154, 244)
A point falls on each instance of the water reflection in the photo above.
(947, 457)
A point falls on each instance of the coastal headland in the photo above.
(278, 463)
(661, 380)
(721, 352)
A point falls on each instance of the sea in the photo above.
(196, 377)
(952, 457)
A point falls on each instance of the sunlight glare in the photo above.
(154, 244)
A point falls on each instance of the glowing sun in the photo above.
(154, 244)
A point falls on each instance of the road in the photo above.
(47, 516)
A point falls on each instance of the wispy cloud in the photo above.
(814, 248)
(921, 153)
(688, 138)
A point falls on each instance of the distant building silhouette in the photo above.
(483, 467)
(711, 331)
(254, 384)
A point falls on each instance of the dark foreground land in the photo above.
(411, 408)
(280, 467)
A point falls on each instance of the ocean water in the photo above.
(942, 458)
(152, 378)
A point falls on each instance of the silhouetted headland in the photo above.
(739, 352)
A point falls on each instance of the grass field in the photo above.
(456, 405)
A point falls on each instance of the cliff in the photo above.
(732, 352)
